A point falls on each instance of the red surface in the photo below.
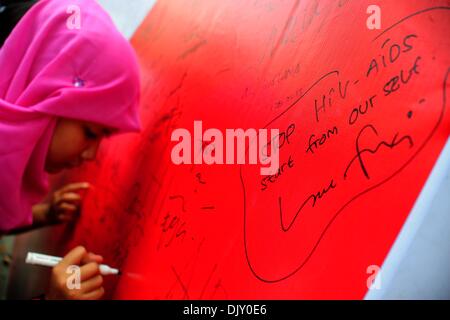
(210, 232)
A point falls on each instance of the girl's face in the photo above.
(73, 143)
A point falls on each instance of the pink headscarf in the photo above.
(48, 70)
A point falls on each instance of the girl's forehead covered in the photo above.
(77, 67)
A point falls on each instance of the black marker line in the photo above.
(408, 17)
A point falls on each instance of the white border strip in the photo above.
(409, 230)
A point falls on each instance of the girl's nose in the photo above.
(90, 152)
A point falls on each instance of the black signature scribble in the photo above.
(395, 141)
(311, 199)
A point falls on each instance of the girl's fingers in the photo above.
(92, 284)
(94, 295)
(65, 212)
(91, 257)
(74, 257)
(89, 270)
(66, 217)
(75, 187)
(67, 207)
(71, 197)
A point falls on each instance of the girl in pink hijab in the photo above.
(68, 78)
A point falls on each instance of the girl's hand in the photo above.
(64, 206)
(62, 284)
(66, 202)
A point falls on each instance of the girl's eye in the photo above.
(90, 134)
